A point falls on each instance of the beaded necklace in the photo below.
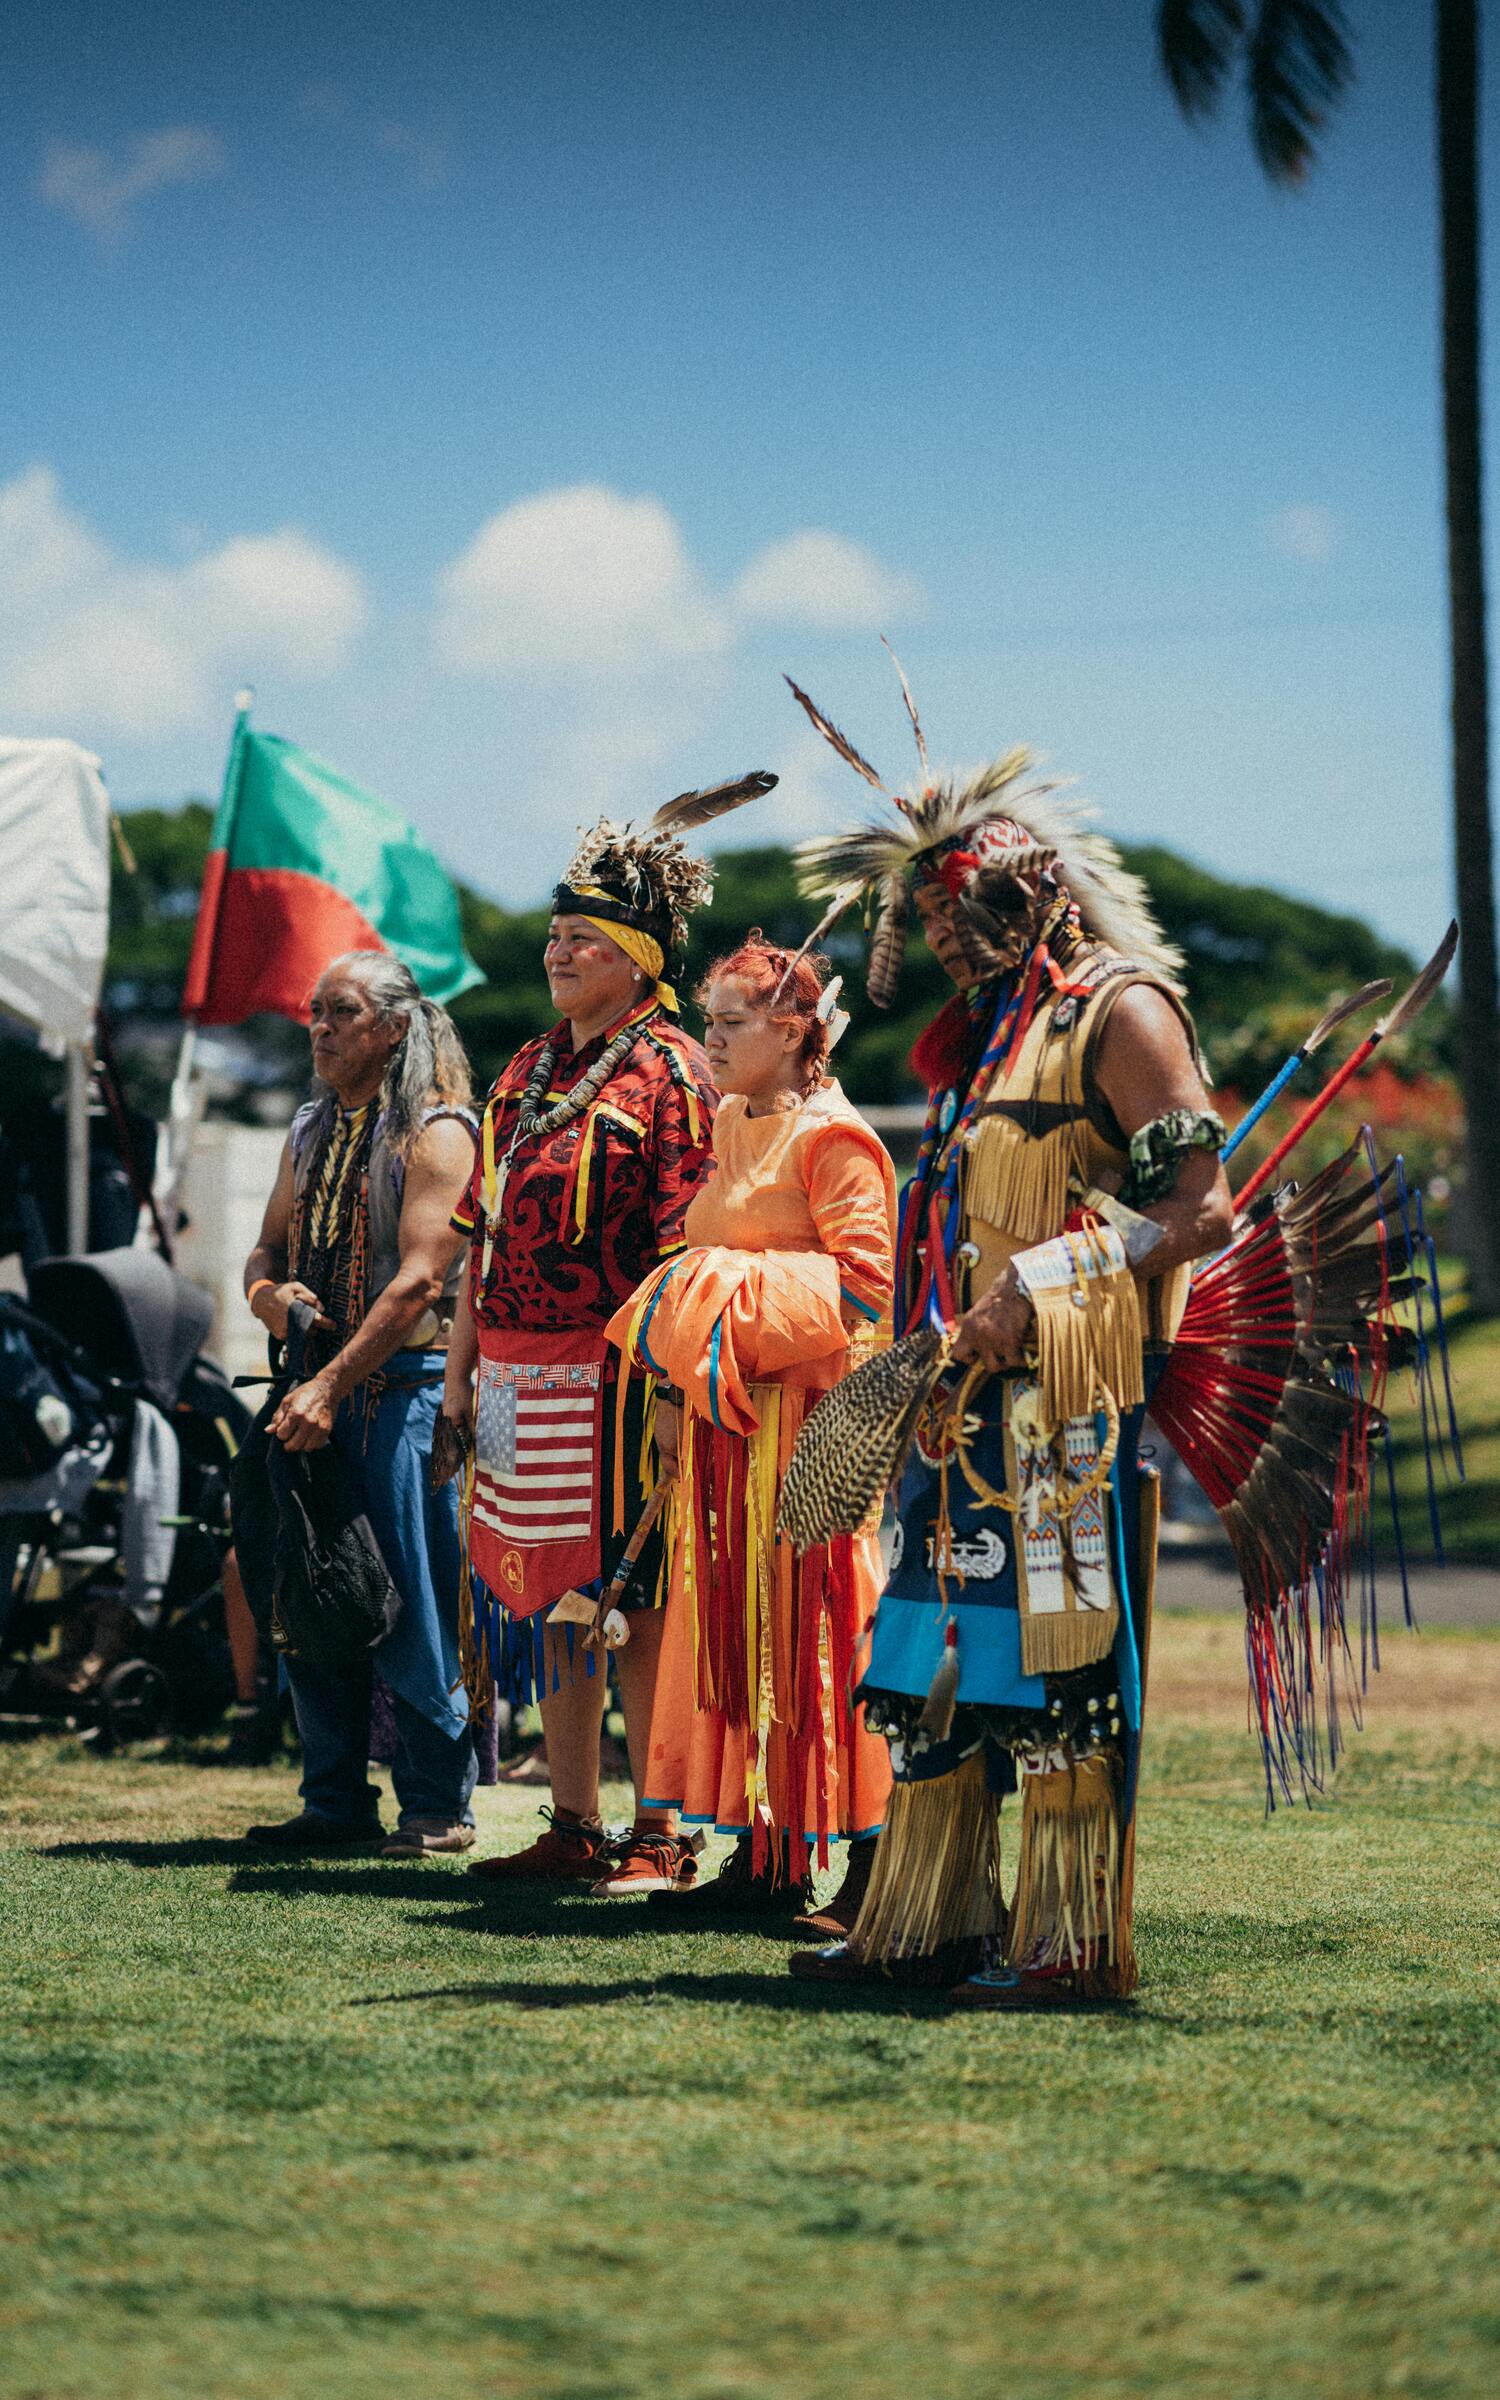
(534, 1123)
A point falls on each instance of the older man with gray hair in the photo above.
(358, 1228)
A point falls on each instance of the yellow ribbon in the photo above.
(583, 1168)
(642, 949)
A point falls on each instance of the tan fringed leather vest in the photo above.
(1043, 1133)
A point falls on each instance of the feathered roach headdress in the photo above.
(641, 881)
(976, 838)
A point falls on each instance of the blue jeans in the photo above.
(434, 1772)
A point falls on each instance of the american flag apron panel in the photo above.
(534, 1517)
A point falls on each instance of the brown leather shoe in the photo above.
(649, 1860)
(836, 1918)
(563, 1854)
(428, 1837)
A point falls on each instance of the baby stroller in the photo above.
(116, 1437)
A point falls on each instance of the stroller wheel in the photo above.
(133, 1703)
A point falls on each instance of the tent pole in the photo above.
(78, 1147)
(177, 1137)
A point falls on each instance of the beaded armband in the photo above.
(1157, 1151)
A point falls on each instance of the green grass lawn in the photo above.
(1469, 1512)
(307, 2130)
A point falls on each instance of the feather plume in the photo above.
(1113, 904)
(700, 808)
(852, 1444)
(835, 739)
(857, 857)
(1342, 1010)
(984, 898)
(911, 710)
(844, 898)
(1411, 1004)
(888, 942)
(655, 872)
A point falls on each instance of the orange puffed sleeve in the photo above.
(715, 1321)
(851, 1190)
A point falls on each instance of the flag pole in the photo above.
(182, 1107)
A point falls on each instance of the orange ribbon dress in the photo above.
(786, 1279)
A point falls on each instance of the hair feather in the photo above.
(700, 808)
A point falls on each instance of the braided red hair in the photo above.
(763, 970)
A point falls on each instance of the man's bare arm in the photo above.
(267, 1262)
(1146, 1067)
(437, 1172)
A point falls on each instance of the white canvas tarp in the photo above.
(54, 886)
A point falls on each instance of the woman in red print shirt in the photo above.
(594, 1140)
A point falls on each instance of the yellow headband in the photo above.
(643, 951)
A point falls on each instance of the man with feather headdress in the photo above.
(593, 1141)
(1067, 1176)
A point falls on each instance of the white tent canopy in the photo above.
(54, 887)
(54, 919)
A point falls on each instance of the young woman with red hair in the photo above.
(788, 1269)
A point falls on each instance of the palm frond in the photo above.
(1299, 64)
(1196, 41)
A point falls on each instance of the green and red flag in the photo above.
(302, 865)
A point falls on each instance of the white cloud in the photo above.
(820, 579)
(614, 649)
(95, 643)
(585, 582)
(100, 188)
(1306, 533)
(423, 156)
(576, 580)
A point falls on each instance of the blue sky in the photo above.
(510, 392)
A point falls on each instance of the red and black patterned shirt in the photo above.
(565, 1258)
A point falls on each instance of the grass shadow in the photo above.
(779, 1993)
(460, 1906)
(204, 1851)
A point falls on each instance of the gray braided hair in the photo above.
(430, 1064)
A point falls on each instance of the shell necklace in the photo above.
(534, 1123)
